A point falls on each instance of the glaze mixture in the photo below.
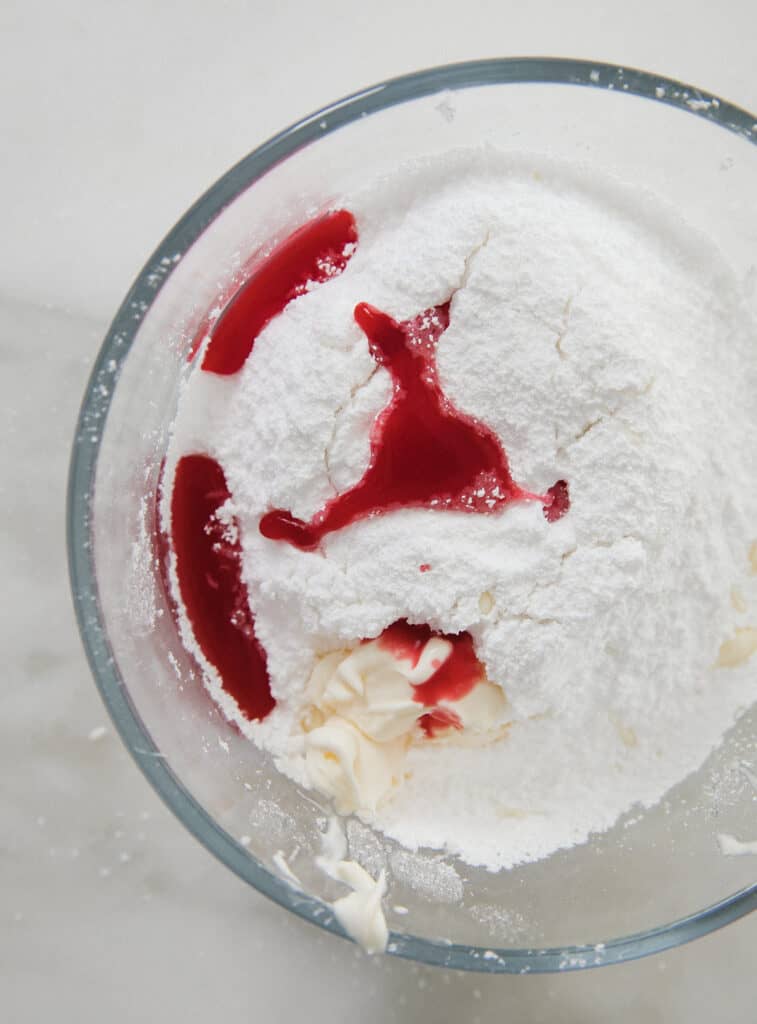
(461, 504)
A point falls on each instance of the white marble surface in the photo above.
(116, 115)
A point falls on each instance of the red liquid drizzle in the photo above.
(424, 452)
(312, 254)
(437, 720)
(453, 679)
(208, 567)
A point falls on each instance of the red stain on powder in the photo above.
(213, 593)
(425, 453)
(453, 678)
(316, 252)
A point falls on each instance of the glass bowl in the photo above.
(655, 880)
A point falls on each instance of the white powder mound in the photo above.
(607, 344)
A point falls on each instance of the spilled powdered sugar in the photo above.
(606, 344)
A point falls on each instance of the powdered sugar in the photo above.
(606, 344)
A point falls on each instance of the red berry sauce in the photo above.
(425, 453)
(453, 679)
(438, 720)
(213, 593)
(313, 254)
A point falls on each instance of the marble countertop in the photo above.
(116, 116)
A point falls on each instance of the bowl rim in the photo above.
(83, 465)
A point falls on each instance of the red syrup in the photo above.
(213, 593)
(438, 720)
(315, 253)
(453, 679)
(425, 453)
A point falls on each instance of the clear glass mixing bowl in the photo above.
(654, 881)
